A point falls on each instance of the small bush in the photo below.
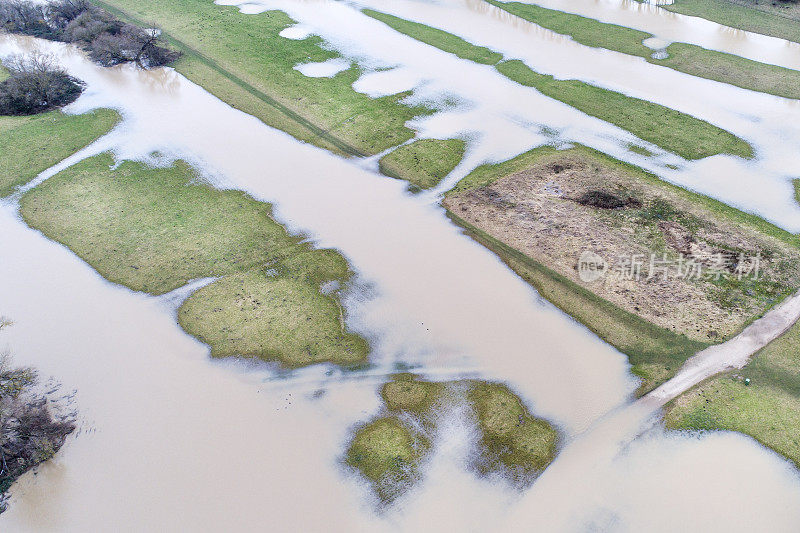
(36, 85)
(108, 40)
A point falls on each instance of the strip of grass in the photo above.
(30, 145)
(759, 17)
(732, 69)
(768, 409)
(655, 353)
(437, 38)
(153, 230)
(242, 59)
(424, 162)
(584, 30)
(676, 132)
(694, 60)
(513, 441)
(683, 134)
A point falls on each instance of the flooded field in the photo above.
(169, 439)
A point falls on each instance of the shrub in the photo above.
(36, 85)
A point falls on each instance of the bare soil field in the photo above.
(671, 257)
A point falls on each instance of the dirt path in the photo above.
(734, 353)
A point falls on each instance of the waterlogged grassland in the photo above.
(685, 58)
(155, 229)
(768, 18)
(424, 162)
(768, 409)
(242, 59)
(689, 137)
(655, 352)
(512, 441)
(388, 450)
(676, 132)
(30, 145)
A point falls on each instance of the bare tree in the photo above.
(36, 84)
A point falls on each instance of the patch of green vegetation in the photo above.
(438, 38)
(388, 453)
(732, 69)
(641, 150)
(586, 31)
(242, 60)
(155, 229)
(406, 393)
(768, 18)
(768, 409)
(796, 184)
(513, 441)
(689, 137)
(424, 162)
(694, 60)
(30, 145)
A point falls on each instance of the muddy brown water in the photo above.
(170, 440)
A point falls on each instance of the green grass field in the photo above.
(768, 409)
(30, 145)
(693, 60)
(763, 17)
(155, 229)
(424, 162)
(242, 60)
(676, 132)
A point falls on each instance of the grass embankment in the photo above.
(687, 136)
(242, 60)
(388, 450)
(768, 409)
(155, 229)
(30, 145)
(780, 20)
(424, 162)
(655, 352)
(694, 60)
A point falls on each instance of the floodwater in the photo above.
(499, 118)
(170, 440)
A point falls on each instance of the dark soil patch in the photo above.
(606, 200)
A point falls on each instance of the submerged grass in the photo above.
(767, 409)
(424, 162)
(694, 60)
(30, 145)
(155, 229)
